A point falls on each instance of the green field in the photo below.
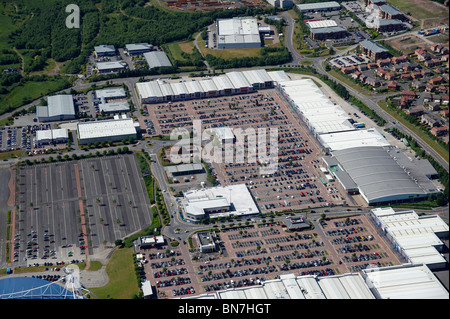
(419, 9)
(122, 278)
(30, 91)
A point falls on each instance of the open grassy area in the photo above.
(30, 91)
(122, 278)
(419, 9)
(227, 54)
(177, 48)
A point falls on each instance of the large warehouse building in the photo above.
(157, 59)
(319, 6)
(221, 201)
(60, 108)
(110, 130)
(417, 238)
(379, 178)
(226, 84)
(240, 32)
(361, 160)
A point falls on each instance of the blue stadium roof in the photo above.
(32, 288)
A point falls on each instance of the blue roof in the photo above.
(32, 288)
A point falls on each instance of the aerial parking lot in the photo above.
(296, 184)
(68, 210)
(251, 252)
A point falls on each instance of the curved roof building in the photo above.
(378, 176)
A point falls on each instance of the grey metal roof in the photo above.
(390, 9)
(327, 30)
(57, 105)
(318, 5)
(104, 48)
(157, 59)
(383, 22)
(373, 46)
(377, 174)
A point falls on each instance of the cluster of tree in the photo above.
(279, 24)
(7, 79)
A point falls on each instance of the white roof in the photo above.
(414, 234)
(166, 88)
(238, 196)
(289, 286)
(238, 79)
(147, 288)
(257, 76)
(149, 89)
(278, 76)
(321, 115)
(405, 282)
(321, 24)
(52, 134)
(238, 26)
(108, 128)
(208, 85)
(179, 88)
(222, 82)
(357, 138)
(110, 93)
(193, 87)
(110, 65)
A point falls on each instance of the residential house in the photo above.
(444, 113)
(383, 62)
(356, 75)
(437, 80)
(439, 131)
(381, 72)
(390, 76)
(422, 54)
(372, 81)
(406, 76)
(418, 85)
(348, 69)
(429, 120)
(372, 65)
(416, 75)
(399, 59)
(362, 67)
(429, 88)
(393, 85)
(416, 111)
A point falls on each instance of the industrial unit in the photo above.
(417, 238)
(59, 108)
(112, 66)
(104, 50)
(112, 100)
(404, 282)
(360, 159)
(157, 59)
(319, 6)
(325, 29)
(227, 84)
(109, 130)
(215, 202)
(55, 136)
(239, 32)
(138, 48)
